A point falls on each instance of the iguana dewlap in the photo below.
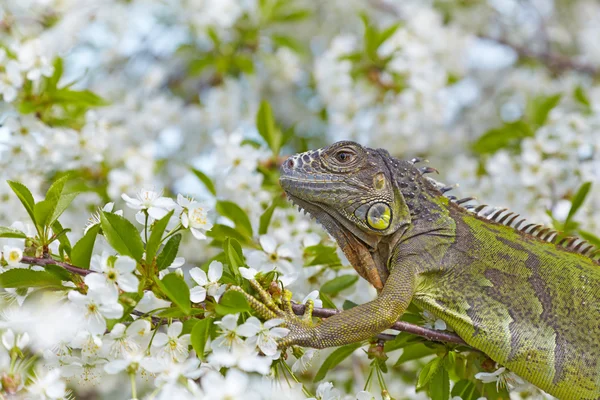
(508, 289)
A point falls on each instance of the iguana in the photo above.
(524, 295)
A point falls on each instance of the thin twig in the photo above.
(50, 261)
(552, 61)
(401, 326)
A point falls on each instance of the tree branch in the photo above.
(401, 326)
(553, 61)
(49, 261)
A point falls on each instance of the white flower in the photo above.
(95, 217)
(48, 386)
(206, 286)
(229, 337)
(433, 322)
(194, 216)
(248, 273)
(12, 256)
(502, 377)
(314, 296)
(242, 356)
(90, 344)
(303, 363)
(364, 395)
(100, 302)
(273, 256)
(264, 336)
(233, 386)
(150, 201)
(326, 391)
(10, 340)
(10, 80)
(120, 341)
(150, 302)
(32, 61)
(172, 345)
(118, 272)
(171, 371)
(18, 295)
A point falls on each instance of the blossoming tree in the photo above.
(139, 150)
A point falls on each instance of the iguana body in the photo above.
(531, 305)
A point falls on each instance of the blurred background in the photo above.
(499, 95)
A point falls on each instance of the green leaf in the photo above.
(25, 196)
(265, 123)
(176, 312)
(348, 305)
(52, 82)
(6, 232)
(582, 98)
(327, 303)
(168, 253)
(122, 235)
(195, 67)
(200, 334)
(370, 37)
(338, 355)
(82, 98)
(265, 218)
(387, 33)
(338, 284)
(291, 16)
(158, 228)
(539, 108)
(60, 234)
(414, 352)
(59, 272)
(439, 387)
(401, 341)
(205, 180)
(235, 213)
(25, 278)
(289, 42)
(176, 290)
(428, 372)
(232, 303)
(465, 389)
(56, 202)
(509, 135)
(578, 200)
(233, 256)
(221, 232)
(590, 237)
(82, 251)
(321, 254)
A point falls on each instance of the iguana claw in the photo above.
(301, 328)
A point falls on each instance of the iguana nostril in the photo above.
(290, 163)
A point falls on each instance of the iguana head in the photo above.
(351, 191)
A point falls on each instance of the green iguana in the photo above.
(524, 295)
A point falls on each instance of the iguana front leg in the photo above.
(349, 326)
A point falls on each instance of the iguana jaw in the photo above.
(354, 246)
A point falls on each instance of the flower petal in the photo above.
(197, 294)
(199, 276)
(215, 271)
(268, 243)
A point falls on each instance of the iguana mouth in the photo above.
(355, 249)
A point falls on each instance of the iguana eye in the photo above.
(379, 216)
(344, 156)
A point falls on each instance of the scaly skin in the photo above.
(530, 305)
